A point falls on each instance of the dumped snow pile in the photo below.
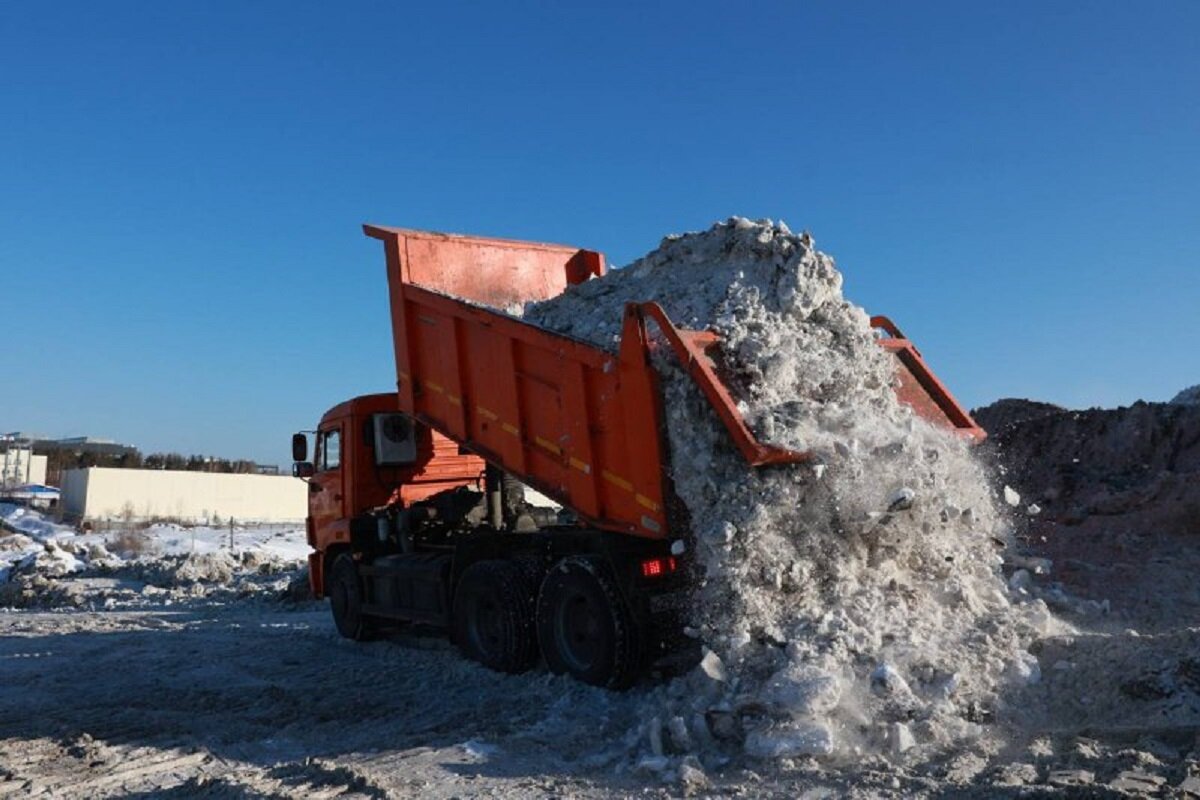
(32, 524)
(851, 605)
(1187, 397)
(50, 565)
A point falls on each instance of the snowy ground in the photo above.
(181, 675)
(258, 700)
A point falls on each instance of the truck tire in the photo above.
(344, 589)
(584, 627)
(493, 616)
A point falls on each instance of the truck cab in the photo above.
(367, 456)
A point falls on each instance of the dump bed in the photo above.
(572, 421)
(580, 424)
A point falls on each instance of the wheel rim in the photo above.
(485, 625)
(578, 632)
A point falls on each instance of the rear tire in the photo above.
(585, 628)
(345, 592)
(493, 616)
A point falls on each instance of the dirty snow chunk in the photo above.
(1016, 774)
(802, 690)
(1189, 787)
(681, 737)
(722, 724)
(56, 561)
(1034, 509)
(901, 499)
(1026, 669)
(900, 738)
(1138, 782)
(216, 567)
(885, 680)
(691, 774)
(1070, 777)
(678, 548)
(722, 534)
(797, 739)
(1011, 497)
(652, 765)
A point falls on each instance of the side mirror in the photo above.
(299, 447)
(303, 469)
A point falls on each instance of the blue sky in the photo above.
(181, 185)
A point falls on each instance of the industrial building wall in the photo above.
(107, 493)
(18, 466)
(73, 491)
(37, 470)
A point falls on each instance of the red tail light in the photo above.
(657, 567)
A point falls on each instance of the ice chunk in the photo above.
(1020, 581)
(713, 667)
(797, 739)
(1011, 497)
(802, 690)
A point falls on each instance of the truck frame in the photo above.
(417, 507)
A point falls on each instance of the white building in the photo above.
(20, 467)
(97, 493)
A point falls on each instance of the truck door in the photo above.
(327, 485)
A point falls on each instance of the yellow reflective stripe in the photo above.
(617, 480)
(437, 387)
(646, 501)
(548, 445)
(455, 399)
(582, 466)
(513, 429)
(487, 412)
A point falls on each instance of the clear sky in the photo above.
(181, 184)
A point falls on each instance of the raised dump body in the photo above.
(417, 512)
(580, 424)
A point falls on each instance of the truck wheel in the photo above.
(493, 616)
(345, 599)
(584, 626)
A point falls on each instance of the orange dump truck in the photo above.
(418, 508)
